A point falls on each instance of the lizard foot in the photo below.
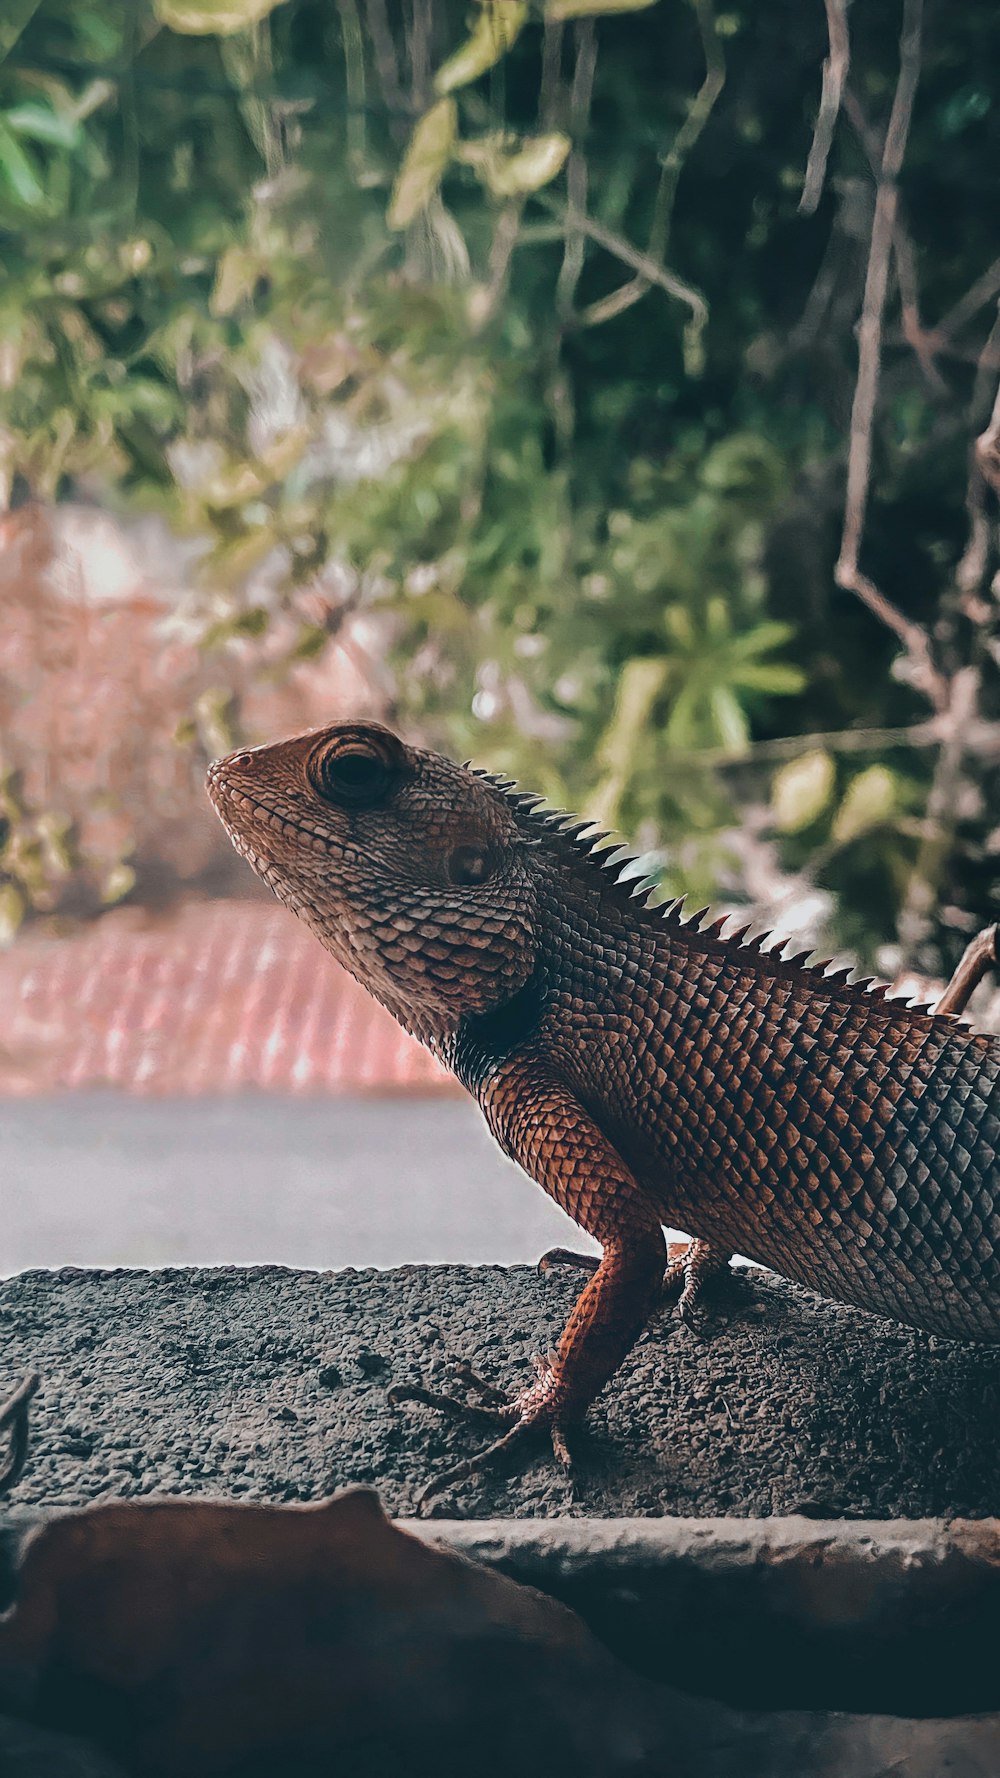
(533, 1410)
(687, 1279)
(14, 1414)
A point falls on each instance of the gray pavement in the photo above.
(105, 1180)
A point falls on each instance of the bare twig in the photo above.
(506, 233)
(552, 42)
(972, 570)
(988, 448)
(849, 740)
(386, 60)
(976, 297)
(612, 242)
(576, 171)
(14, 1416)
(848, 574)
(916, 916)
(673, 162)
(923, 342)
(835, 70)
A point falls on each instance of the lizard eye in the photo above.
(354, 776)
(468, 866)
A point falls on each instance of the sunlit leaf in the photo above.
(560, 10)
(424, 163)
(118, 882)
(531, 166)
(39, 123)
(498, 26)
(235, 278)
(201, 18)
(870, 799)
(11, 912)
(801, 790)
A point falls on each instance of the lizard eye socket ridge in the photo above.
(356, 776)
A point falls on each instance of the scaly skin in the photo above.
(645, 1072)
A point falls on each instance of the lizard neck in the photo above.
(484, 1040)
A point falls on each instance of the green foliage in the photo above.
(312, 285)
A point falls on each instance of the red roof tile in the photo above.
(217, 997)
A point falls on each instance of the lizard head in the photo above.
(411, 870)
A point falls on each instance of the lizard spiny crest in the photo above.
(423, 877)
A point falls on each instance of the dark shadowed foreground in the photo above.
(298, 1644)
(271, 1385)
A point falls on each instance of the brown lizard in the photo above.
(645, 1070)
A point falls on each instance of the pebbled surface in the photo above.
(270, 1384)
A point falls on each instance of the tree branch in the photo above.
(631, 256)
(673, 162)
(835, 71)
(576, 172)
(848, 573)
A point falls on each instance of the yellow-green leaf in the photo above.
(802, 790)
(498, 26)
(535, 163)
(559, 10)
(424, 163)
(235, 278)
(11, 912)
(869, 800)
(118, 882)
(219, 18)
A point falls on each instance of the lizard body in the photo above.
(644, 1071)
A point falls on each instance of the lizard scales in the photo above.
(645, 1071)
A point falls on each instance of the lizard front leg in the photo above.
(539, 1123)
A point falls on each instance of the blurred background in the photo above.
(604, 391)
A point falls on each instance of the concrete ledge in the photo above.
(900, 1618)
(270, 1385)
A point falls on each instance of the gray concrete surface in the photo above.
(106, 1180)
(272, 1385)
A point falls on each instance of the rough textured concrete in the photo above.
(271, 1385)
(899, 1616)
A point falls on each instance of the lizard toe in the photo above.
(564, 1256)
(485, 1413)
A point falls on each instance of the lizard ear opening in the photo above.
(356, 769)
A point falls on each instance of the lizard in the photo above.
(646, 1069)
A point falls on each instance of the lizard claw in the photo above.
(534, 1408)
(493, 1406)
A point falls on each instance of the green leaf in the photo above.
(730, 721)
(39, 123)
(773, 678)
(557, 11)
(499, 24)
(801, 790)
(219, 18)
(18, 171)
(424, 163)
(870, 799)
